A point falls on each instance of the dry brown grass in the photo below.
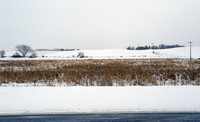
(102, 72)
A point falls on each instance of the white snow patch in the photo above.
(38, 100)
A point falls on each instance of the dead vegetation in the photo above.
(146, 72)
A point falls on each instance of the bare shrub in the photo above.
(33, 54)
(81, 55)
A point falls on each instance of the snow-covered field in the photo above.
(40, 100)
(182, 52)
(80, 99)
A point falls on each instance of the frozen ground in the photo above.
(38, 100)
(182, 52)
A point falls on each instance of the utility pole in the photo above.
(190, 50)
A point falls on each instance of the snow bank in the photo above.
(29, 100)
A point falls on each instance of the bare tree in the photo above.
(23, 49)
(2, 53)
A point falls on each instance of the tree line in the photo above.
(161, 46)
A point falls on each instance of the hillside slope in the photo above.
(182, 52)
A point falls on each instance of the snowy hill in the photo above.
(182, 52)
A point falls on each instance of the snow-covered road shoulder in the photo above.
(40, 100)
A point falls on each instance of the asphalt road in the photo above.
(149, 117)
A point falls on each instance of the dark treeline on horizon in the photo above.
(161, 46)
(56, 49)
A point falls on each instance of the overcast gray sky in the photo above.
(98, 24)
